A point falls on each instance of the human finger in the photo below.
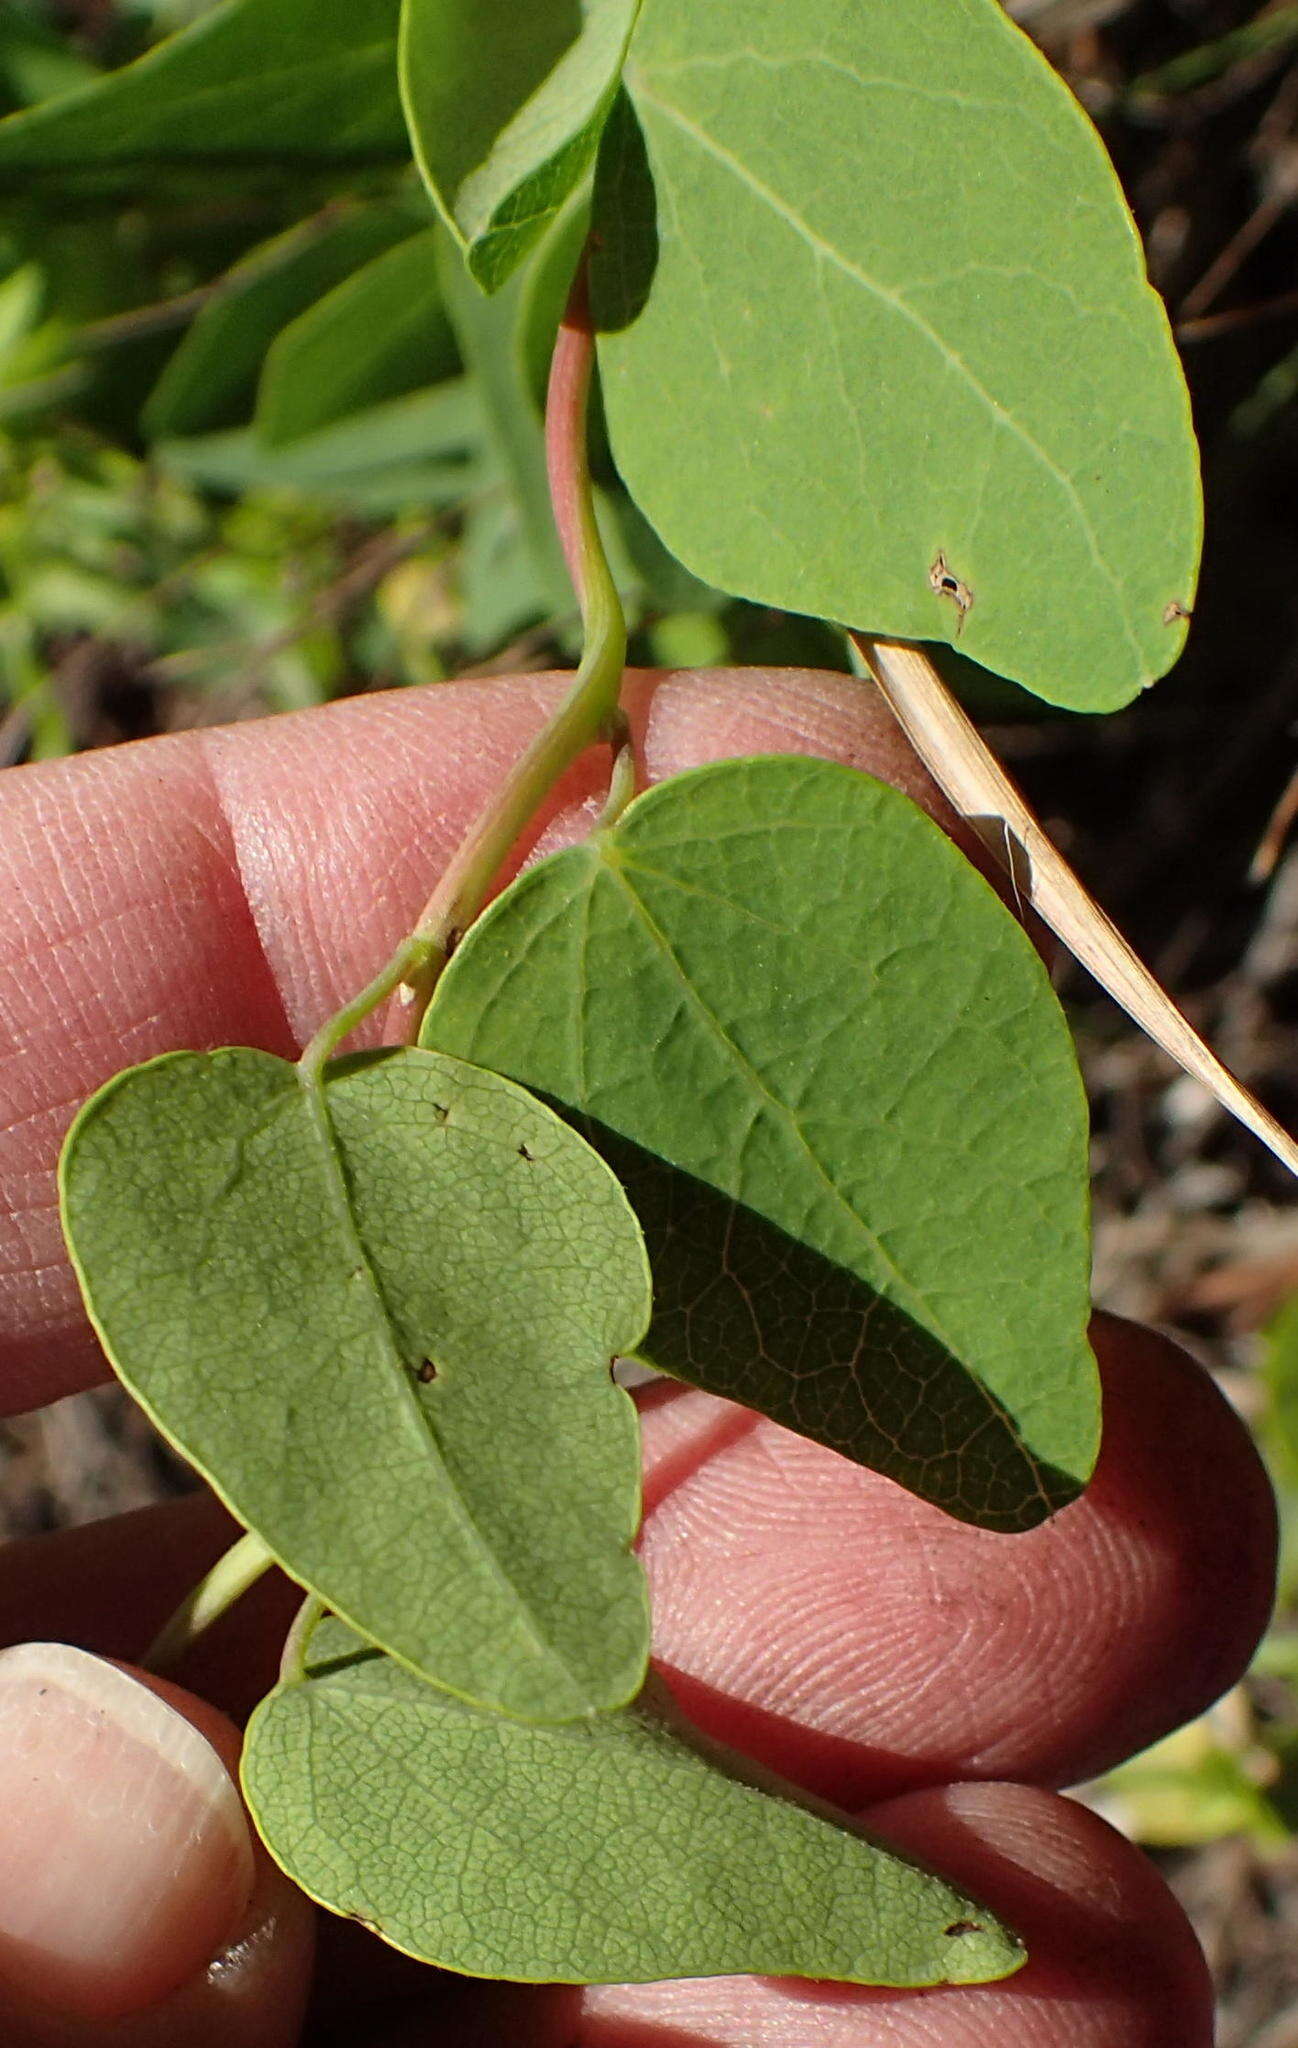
(1112, 1962)
(816, 1616)
(237, 885)
(859, 1641)
(136, 1910)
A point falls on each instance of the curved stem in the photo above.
(292, 1662)
(590, 710)
(229, 1579)
(623, 777)
(591, 706)
(407, 960)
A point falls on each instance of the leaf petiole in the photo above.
(229, 1579)
(292, 1662)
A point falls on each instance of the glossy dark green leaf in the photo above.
(831, 1072)
(255, 82)
(379, 1312)
(611, 1849)
(210, 380)
(380, 335)
(880, 346)
(505, 105)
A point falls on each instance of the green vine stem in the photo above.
(229, 1579)
(292, 1663)
(589, 712)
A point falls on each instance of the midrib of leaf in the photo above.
(913, 1300)
(313, 1089)
(826, 252)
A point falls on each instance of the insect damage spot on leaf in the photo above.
(945, 583)
(427, 1373)
(1176, 611)
(523, 1153)
(959, 1927)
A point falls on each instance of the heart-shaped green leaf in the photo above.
(830, 1069)
(505, 105)
(613, 1849)
(880, 346)
(379, 1312)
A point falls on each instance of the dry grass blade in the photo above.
(977, 785)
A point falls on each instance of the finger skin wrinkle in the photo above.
(332, 886)
(123, 933)
(857, 1639)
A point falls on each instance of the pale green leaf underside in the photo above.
(829, 1069)
(605, 1851)
(876, 303)
(254, 81)
(379, 335)
(271, 1266)
(505, 105)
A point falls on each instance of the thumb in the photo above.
(135, 1908)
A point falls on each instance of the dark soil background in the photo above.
(1175, 813)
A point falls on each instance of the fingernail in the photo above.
(125, 1857)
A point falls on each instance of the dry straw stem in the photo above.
(961, 763)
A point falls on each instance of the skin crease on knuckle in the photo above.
(969, 1656)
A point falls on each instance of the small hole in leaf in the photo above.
(944, 582)
(523, 1153)
(426, 1373)
(959, 1927)
(1176, 611)
(441, 1112)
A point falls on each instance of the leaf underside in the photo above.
(505, 106)
(372, 1311)
(609, 1850)
(868, 271)
(831, 1071)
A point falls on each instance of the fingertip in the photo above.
(859, 1641)
(1182, 1485)
(132, 1895)
(1105, 1936)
